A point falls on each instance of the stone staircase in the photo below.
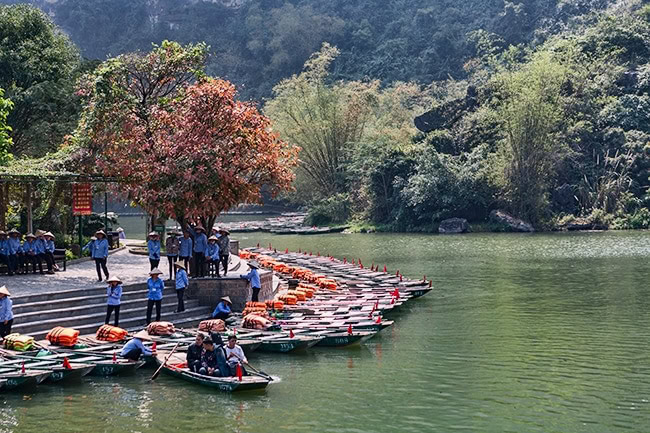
(85, 310)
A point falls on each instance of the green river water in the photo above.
(523, 333)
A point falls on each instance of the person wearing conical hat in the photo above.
(114, 293)
(99, 253)
(49, 252)
(15, 251)
(181, 284)
(212, 257)
(6, 312)
(223, 309)
(41, 250)
(155, 287)
(200, 246)
(254, 278)
(30, 253)
(153, 246)
(134, 348)
(172, 245)
(224, 249)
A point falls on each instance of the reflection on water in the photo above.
(541, 333)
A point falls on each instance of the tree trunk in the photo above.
(4, 204)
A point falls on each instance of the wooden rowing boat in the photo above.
(227, 384)
(59, 373)
(16, 379)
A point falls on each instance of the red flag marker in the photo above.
(258, 245)
(291, 334)
(310, 253)
(345, 260)
(239, 372)
(397, 273)
(378, 320)
(430, 283)
(400, 277)
(66, 363)
(286, 250)
(350, 329)
(360, 265)
(359, 261)
(234, 331)
(424, 278)
(376, 307)
(154, 346)
(392, 300)
(114, 357)
(385, 268)
(354, 262)
(22, 369)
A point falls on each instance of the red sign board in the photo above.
(82, 199)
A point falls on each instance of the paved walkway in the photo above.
(130, 268)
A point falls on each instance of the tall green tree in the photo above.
(5, 140)
(38, 66)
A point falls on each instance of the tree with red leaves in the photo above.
(179, 143)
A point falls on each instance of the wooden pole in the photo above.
(30, 216)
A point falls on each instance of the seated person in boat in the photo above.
(221, 353)
(194, 352)
(134, 348)
(209, 365)
(235, 355)
(223, 309)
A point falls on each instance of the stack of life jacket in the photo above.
(21, 343)
(160, 328)
(111, 333)
(254, 321)
(214, 325)
(63, 336)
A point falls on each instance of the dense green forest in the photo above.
(540, 108)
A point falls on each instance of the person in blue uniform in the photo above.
(134, 348)
(99, 253)
(49, 252)
(181, 284)
(253, 276)
(212, 256)
(89, 246)
(4, 251)
(30, 253)
(185, 249)
(41, 245)
(155, 287)
(15, 251)
(153, 245)
(114, 293)
(223, 309)
(200, 246)
(6, 312)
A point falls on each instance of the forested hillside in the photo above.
(540, 108)
(262, 41)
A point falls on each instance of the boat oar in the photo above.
(260, 373)
(155, 375)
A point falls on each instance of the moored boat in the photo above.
(174, 367)
(17, 379)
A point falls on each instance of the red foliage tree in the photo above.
(179, 144)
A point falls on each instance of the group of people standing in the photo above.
(192, 246)
(17, 253)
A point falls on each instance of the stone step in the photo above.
(136, 316)
(98, 298)
(88, 308)
(71, 293)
